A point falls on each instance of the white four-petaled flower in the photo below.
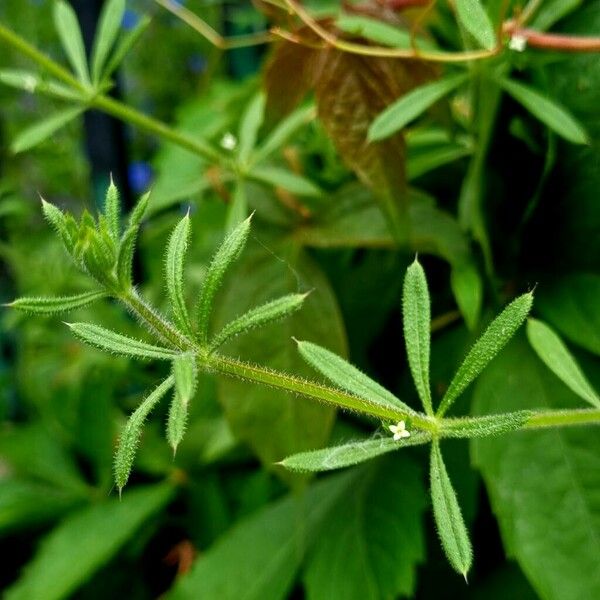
(399, 430)
(518, 43)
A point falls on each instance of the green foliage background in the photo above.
(221, 520)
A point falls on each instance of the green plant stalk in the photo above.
(94, 99)
(231, 367)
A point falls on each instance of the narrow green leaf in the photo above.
(398, 114)
(67, 26)
(284, 130)
(475, 20)
(467, 288)
(41, 130)
(249, 126)
(416, 310)
(486, 426)
(495, 337)
(185, 375)
(259, 316)
(107, 32)
(176, 250)
(229, 250)
(353, 453)
(62, 224)
(547, 111)
(125, 44)
(347, 376)
(85, 541)
(139, 210)
(132, 432)
(107, 340)
(112, 210)
(556, 356)
(32, 82)
(281, 178)
(448, 517)
(419, 163)
(49, 306)
(125, 257)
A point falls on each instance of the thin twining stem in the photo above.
(214, 37)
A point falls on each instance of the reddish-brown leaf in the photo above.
(351, 90)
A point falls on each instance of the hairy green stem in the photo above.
(561, 418)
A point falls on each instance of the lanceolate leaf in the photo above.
(448, 517)
(132, 432)
(176, 251)
(112, 210)
(108, 30)
(137, 214)
(556, 356)
(185, 375)
(287, 180)
(416, 310)
(107, 340)
(49, 306)
(348, 377)
(259, 316)
(249, 126)
(547, 111)
(125, 257)
(67, 26)
(475, 20)
(401, 112)
(495, 337)
(352, 453)
(230, 249)
(38, 132)
(125, 44)
(467, 288)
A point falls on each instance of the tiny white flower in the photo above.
(29, 83)
(399, 430)
(228, 141)
(518, 43)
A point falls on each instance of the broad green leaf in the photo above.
(185, 374)
(24, 504)
(475, 20)
(401, 112)
(249, 126)
(448, 517)
(125, 44)
(109, 341)
(572, 305)
(174, 267)
(556, 356)
(543, 485)
(132, 432)
(84, 542)
(273, 423)
(467, 288)
(112, 210)
(67, 26)
(547, 111)
(493, 339)
(258, 558)
(373, 540)
(38, 132)
(227, 253)
(416, 311)
(49, 306)
(106, 35)
(347, 377)
(283, 131)
(488, 425)
(259, 316)
(352, 453)
(287, 180)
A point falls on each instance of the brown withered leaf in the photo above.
(289, 76)
(351, 90)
